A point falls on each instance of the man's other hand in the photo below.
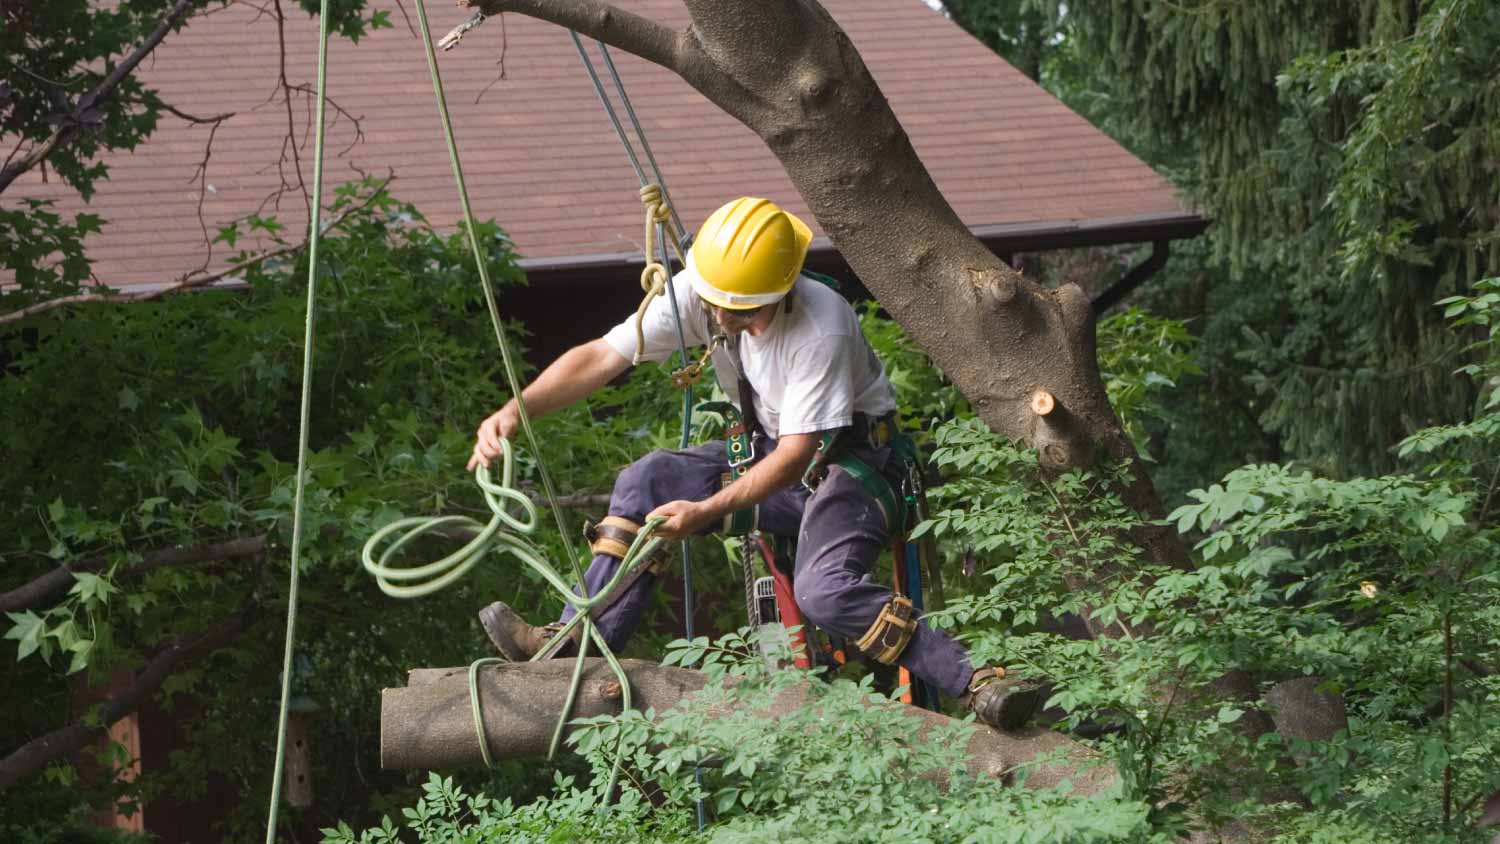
(683, 519)
(500, 424)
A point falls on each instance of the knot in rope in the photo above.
(654, 274)
(657, 209)
(500, 498)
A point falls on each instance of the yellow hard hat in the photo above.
(747, 254)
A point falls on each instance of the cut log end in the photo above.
(1042, 403)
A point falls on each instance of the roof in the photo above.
(540, 157)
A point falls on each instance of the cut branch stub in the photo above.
(1042, 402)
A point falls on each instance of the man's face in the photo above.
(732, 321)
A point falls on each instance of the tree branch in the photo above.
(608, 23)
(26, 760)
(185, 284)
(48, 585)
(102, 91)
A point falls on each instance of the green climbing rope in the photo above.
(309, 329)
(494, 536)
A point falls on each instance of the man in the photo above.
(796, 346)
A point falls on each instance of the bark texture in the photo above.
(430, 725)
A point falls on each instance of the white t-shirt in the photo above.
(811, 369)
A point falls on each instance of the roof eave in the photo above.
(1005, 240)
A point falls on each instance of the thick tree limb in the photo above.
(89, 100)
(31, 757)
(603, 21)
(59, 579)
(429, 724)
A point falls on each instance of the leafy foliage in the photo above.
(1381, 587)
(135, 429)
(845, 766)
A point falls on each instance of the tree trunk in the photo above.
(429, 725)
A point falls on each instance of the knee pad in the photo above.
(892, 630)
(614, 535)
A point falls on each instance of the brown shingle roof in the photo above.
(540, 156)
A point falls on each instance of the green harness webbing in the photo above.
(739, 448)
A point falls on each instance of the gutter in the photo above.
(1004, 240)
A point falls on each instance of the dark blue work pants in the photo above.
(840, 532)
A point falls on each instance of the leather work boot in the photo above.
(516, 640)
(999, 700)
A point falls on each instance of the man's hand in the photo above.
(684, 519)
(501, 423)
(580, 371)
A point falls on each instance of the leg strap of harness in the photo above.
(892, 630)
(613, 536)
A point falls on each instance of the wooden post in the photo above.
(298, 776)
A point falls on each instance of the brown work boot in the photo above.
(518, 641)
(1000, 700)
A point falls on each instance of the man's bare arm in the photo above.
(580, 371)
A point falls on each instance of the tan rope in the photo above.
(653, 275)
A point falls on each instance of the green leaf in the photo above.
(81, 650)
(128, 399)
(92, 588)
(27, 629)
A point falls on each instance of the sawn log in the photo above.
(429, 725)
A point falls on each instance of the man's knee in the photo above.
(637, 487)
(819, 609)
(823, 596)
(641, 472)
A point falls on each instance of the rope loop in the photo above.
(654, 275)
(656, 205)
(500, 497)
(514, 518)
